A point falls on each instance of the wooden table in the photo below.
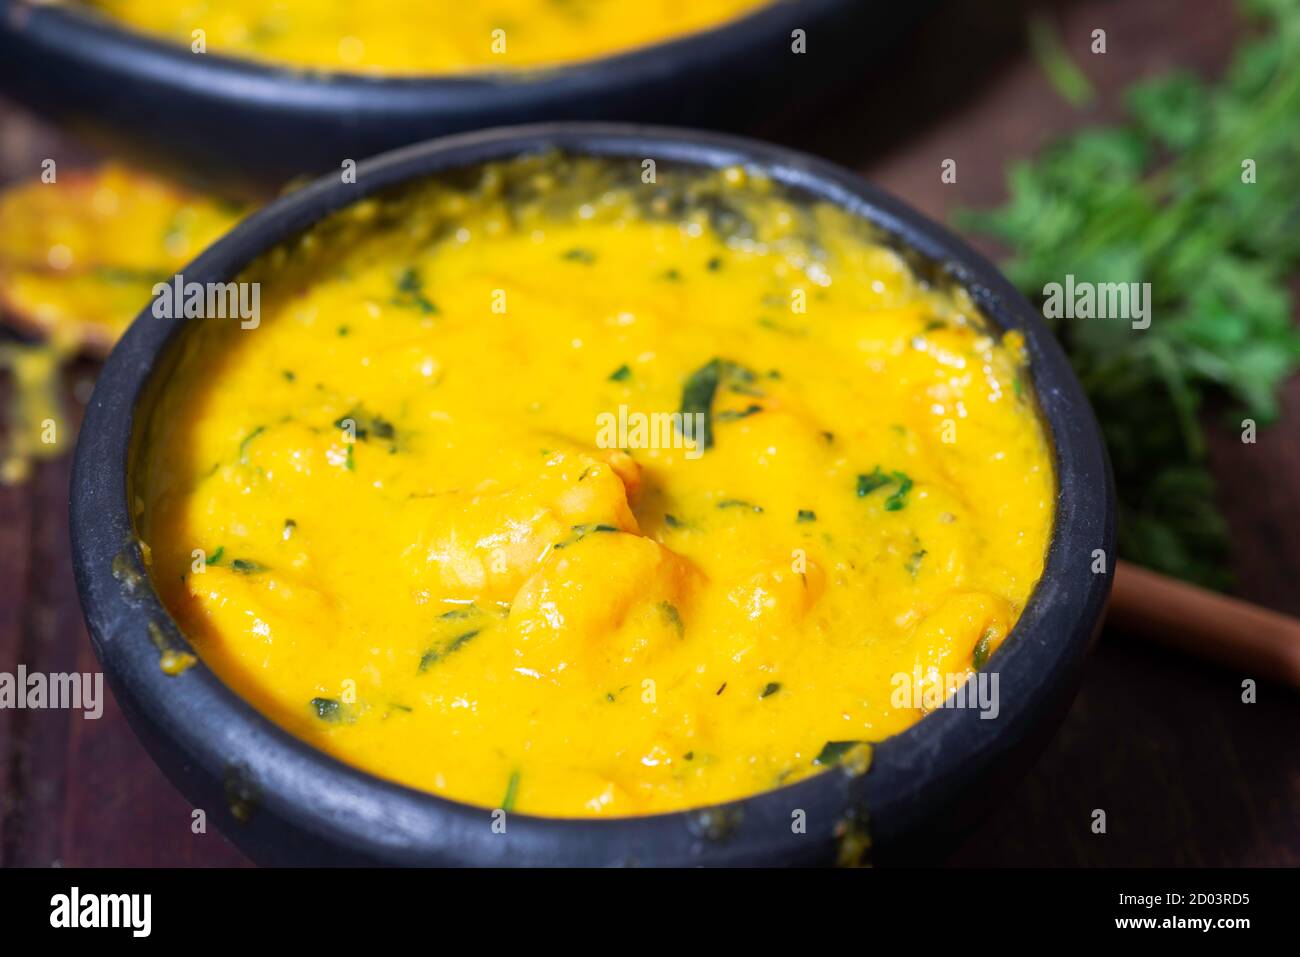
(1186, 772)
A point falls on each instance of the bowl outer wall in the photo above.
(926, 783)
(245, 128)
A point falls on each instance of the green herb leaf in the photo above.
(673, 617)
(741, 504)
(327, 709)
(878, 479)
(512, 791)
(913, 564)
(833, 752)
(899, 498)
(437, 654)
(869, 483)
(1066, 78)
(702, 385)
(368, 426)
(410, 292)
(578, 532)
(697, 397)
(731, 415)
(243, 445)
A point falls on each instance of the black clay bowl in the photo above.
(244, 128)
(283, 801)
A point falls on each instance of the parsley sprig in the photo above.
(1162, 198)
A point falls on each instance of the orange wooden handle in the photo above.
(1257, 642)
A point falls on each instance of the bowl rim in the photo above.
(98, 37)
(915, 775)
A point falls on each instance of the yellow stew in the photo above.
(80, 253)
(423, 36)
(560, 491)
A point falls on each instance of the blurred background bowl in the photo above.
(245, 128)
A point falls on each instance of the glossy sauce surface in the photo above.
(397, 519)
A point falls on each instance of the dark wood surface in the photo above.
(1186, 772)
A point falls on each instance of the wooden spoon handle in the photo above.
(1259, 643)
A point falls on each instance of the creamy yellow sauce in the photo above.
(422, 36)
(394, 516)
